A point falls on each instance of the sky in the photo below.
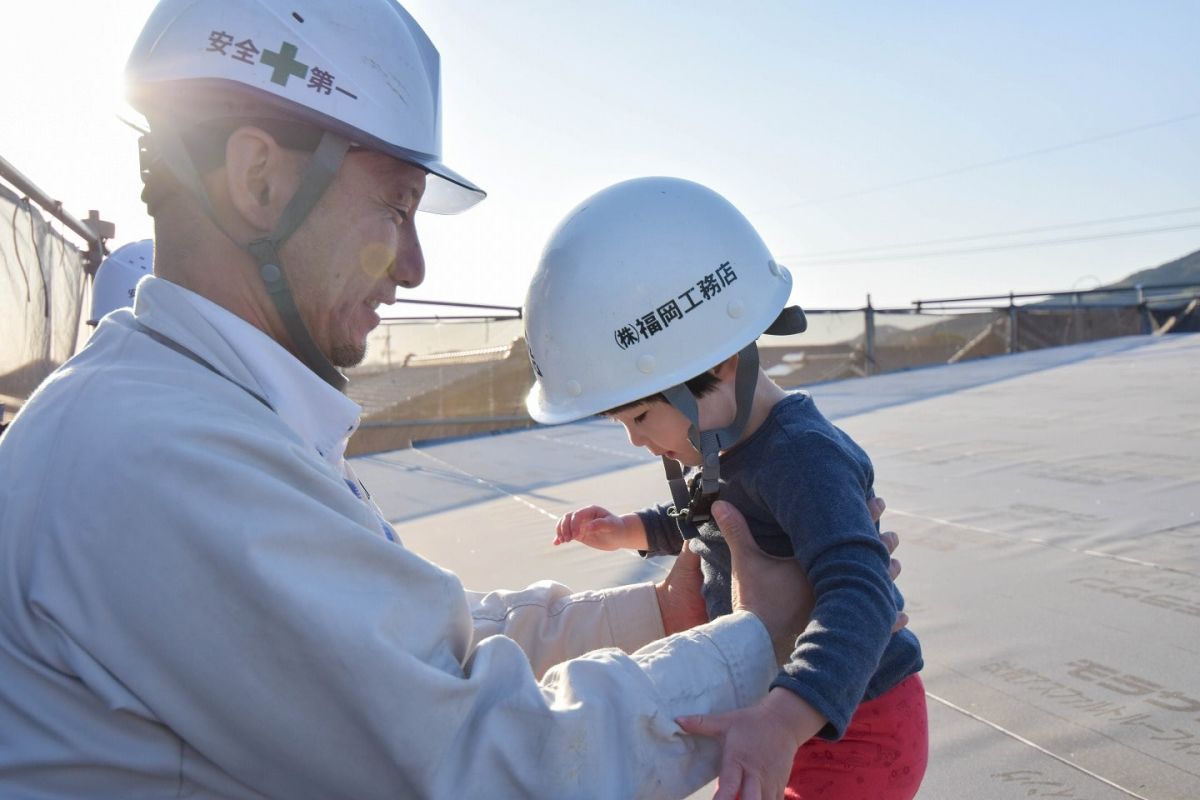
(908, 151)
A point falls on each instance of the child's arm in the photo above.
(759, 744)
(599, 528)
(813, 485)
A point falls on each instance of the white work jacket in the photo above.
(194, 604)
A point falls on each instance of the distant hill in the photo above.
(1181, 270)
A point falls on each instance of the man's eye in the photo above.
(402, 213)
(640, 418)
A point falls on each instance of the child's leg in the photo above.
(881, 757)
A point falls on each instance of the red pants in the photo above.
(881, 757)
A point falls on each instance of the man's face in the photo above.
(354, 249)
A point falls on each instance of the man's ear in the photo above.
(260, 176)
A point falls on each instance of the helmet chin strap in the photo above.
(322, 167)
(692, 505)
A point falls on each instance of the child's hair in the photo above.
(702, 384)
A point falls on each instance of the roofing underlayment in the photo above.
(1048, 505)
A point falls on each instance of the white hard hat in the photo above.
(118, 275)
(361, 73)
(363, 69)
(642, 287)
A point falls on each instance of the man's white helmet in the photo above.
(642, 287)
(361, 68)
(356, 73)
(118, 275)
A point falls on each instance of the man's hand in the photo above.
(679, 598)
(682, 606)
(773, 589)
(891, 541)
(889, 538)
(758, 744)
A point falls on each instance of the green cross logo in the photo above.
(284, 64)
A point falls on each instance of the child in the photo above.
(646, 307)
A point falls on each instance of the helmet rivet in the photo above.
(574, 389)
(735, 309)
(771, 265)
(645, 364)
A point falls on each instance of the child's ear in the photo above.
(727, 369)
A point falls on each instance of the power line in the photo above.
(996, 161)
(998, 234)
(990, 248)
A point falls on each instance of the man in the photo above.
(197, 597)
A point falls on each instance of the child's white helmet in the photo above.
(642, 287)
(118, 275)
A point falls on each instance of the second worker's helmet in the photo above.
(118, 275)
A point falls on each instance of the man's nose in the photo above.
(408, 270)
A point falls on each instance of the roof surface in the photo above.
(1048, 505)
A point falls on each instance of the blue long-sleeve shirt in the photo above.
(803, 486)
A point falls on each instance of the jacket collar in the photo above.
(319, 414)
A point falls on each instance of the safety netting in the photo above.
(848, 344)
(42, 290)
(432, 379)
(436, 378)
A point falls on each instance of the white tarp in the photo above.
(41, 295)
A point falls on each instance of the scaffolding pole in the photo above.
(93, 230)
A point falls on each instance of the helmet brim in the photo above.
(447, 192)
(196, 100)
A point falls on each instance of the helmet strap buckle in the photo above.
(693, 500)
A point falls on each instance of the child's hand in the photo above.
(599, 528)
(758, 744)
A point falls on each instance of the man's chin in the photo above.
(348, 355)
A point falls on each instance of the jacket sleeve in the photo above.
(244, 599)
(552, 624)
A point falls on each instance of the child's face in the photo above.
(659, 428)
(663, 430)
